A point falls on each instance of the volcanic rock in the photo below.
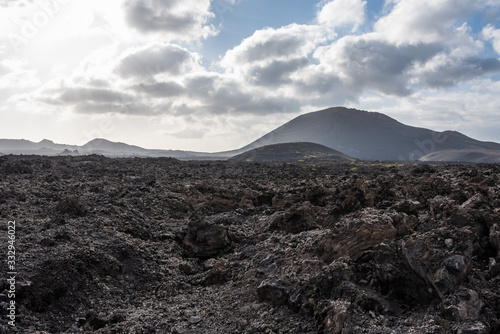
(276, 293)
(162, 246)
(205, 240)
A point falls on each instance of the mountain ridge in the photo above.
(356, 133)
(367, 135)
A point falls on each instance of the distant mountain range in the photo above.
(359, 134)
(95, 146)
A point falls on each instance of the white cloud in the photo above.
(424, 48)
(444, 70)
(283, 68)
(271, 58)
(489, 33)
(277, 72)
(160, 89)
(3, 70)
(369, 63)
(95, 100)
(188, 133)
(154, 59)
(470, 108)
(272, 44)
(177, 19)
(425, 21)
(211, 93)
(338, 13)
(421, 58)
(20, 3)
(99, 95)
(15, 76)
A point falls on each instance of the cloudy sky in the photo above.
(212, 75)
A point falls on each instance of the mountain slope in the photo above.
(367, 135)
(464, 156)
(102, 145)
(292, 152)
(96, 146)
(358, 134)
(22, 146)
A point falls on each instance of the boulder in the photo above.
(206, 240)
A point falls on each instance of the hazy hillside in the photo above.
(359, 134)
(367, 135)
(21, 146)
(95, 146)
(103, 145)
(464, 156)
(292, 152)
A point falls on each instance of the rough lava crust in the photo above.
(163, 246)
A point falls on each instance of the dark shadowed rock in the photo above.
(358, 234)
(205, 240)
(404, 223)
(297, 219)
(71, 206)
(276, 293)
(334, 316)
(465, 305)
(476, 329)
(195, 320)
(495, 238)
(427, 256)
(249, 252)
(407, 206)
(219, 273)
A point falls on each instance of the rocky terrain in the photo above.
(162, 246)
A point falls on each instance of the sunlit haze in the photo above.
(214, 75)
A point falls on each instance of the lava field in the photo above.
(157, 245)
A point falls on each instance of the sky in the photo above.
(214, 75)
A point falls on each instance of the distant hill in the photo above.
(103, 146)
(49, 148)
(464, 156)
(367, 136)
(359, 134)
(292, 152)
(44, 147)
(96, 146)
